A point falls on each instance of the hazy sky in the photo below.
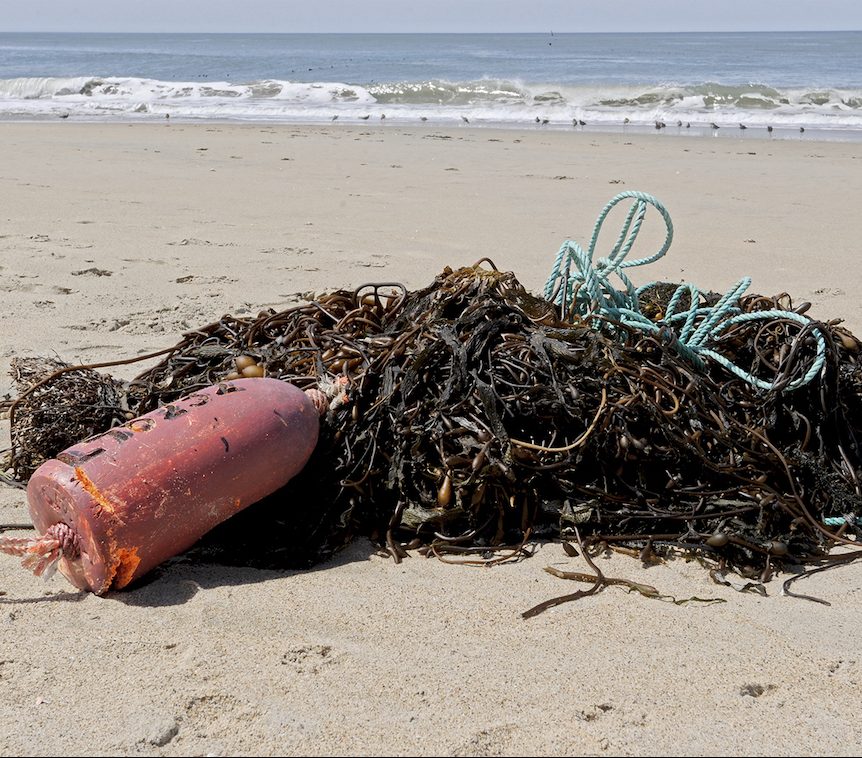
(427, 15)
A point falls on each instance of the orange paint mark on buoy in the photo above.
(128, 561)
(93, 491)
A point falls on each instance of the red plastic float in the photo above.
(116, 505)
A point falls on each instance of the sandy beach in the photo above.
(116, 238)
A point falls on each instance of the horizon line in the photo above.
(547, 32)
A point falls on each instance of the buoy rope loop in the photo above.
(42, 555)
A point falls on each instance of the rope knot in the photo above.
(330, 393)
(42, 555)
(67, 539)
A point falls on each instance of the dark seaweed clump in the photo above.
(473, 419)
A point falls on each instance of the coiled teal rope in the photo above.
(581, 286)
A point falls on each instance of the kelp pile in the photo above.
(66, 408)
(468, 418)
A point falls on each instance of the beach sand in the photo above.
(114, 239)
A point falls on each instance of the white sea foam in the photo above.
(37, 87)
(484, 101)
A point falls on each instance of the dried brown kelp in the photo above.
(58, 411)
(468, 417)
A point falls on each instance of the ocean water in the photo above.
(686, 81)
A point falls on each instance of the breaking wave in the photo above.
(482, 101)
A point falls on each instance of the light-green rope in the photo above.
(841, 520)
(581, 287)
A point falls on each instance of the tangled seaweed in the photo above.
(474, 418)
(52, 416)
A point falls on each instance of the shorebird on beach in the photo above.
(659, 124)
(801, 129)
(465, 119)
(365, 117)
(423, 118)
(714, 125)
(545, 121)
(743, 126)
(769, 128)
(382, 115)
(334, 118)
(581, 122)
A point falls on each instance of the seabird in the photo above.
(679, 123)
(626, 120)
(714, 125)
(769, 128)
(688, 125)
(335, 117)
(581, 122)
(538, 120)
(545, 121)
(743, 126)
(465, 119)
(423, 118)
(365, 117)
(801, 128)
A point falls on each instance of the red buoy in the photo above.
(118, 504)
